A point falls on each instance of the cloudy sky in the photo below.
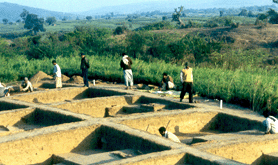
(85, 5)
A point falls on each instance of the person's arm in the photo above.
(87, 63)
(181, 76)
(130, 61)
(171, 79)
(54, 71)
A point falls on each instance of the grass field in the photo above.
(254, 88)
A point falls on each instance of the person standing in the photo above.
(57, 74)
(270, 123)
(84, 67)
(126, 63)
(169, 135)
(26, 85)
(186, 77)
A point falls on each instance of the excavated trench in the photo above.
(5, 106)
(36, 135)
(188, 126)
(65, 94)
(21, 120)
(94, 144)
(120, 105)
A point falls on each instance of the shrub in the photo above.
(120, 30)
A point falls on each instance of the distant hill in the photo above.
(168, 6)
(12, 12)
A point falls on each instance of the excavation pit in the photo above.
(120, 105)
(49, 85)
(65, 94)
(77, 144)
(5, 106)
(30, 118)
(190, 126)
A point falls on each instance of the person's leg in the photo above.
(183, 91)
(163, 87)
(126, 78)
(56, 82)
(130, 78)
(86, 78)
(190, 91)
(59, 82)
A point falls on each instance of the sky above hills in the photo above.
(86, 5)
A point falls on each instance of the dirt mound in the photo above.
(40, 76)
(65, 78)
(76, 79)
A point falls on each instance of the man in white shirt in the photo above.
(169, 135)
(271, 123)
(26, 85)
(57, 74)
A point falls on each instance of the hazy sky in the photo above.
(85, 5)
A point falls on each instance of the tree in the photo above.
(10, 23)
(243, 13)
(5, 21)
(50, 20)
(221, 13)
(164, 18)
(18, 21)
(89, 18)
(64, 19)
(176, 16)
(33, 23)
(24, 14)
(250, 14)
(275, 1)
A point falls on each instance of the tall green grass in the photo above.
(254, 88)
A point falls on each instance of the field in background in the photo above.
(67, 26)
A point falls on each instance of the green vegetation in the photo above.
(220, 71)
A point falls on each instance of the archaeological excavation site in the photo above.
(106, 124)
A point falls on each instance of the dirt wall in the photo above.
(229, 123)
(179, 123)
(12, 117)
(169, 159)
(96, 107)
(52, 96)
(39, 149)
(119, 140)
(9, 106)
(246, 152)
(48, 118)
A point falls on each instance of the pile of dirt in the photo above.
(65, 78)
(76, 79)
(40, 76)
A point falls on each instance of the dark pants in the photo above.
(85, 77)
(187, 87)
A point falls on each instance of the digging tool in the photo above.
(147, 127)
(167, 124)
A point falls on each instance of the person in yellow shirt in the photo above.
(186, 77)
